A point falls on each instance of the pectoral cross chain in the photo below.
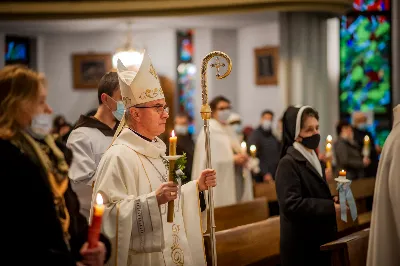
(217, 65)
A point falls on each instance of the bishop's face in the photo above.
(153, 116)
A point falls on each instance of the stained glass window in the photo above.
(186, 75)
(365, 64)
(371, 5)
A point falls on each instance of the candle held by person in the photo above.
(253, 151)
(95, 226)
(172, 143)
(243, 145)
(366, 148)
(328, 155)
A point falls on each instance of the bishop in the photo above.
(132, 178)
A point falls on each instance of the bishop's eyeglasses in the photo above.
(159, 108)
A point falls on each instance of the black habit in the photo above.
(307, 212)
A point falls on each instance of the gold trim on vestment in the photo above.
(201, 223)
(116, 233)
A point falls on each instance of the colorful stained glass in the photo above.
(371, 5)
(365, 64)
(186, 76)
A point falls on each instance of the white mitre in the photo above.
(139, 87)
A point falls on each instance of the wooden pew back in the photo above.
(350, 250)
(247, 244)
(228, 217)
(265, 189)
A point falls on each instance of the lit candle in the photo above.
(328, 154)
(253, 151)
(172, 144)
(244, 147)
(366, 148)
(342, 173)
(329, 139)
(95, 227)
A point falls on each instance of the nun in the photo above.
(307, 209)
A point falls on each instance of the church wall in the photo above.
(253, 99)
(58, 50)
(226, 41)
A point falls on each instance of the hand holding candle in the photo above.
(95, 227)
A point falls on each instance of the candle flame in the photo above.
(253, 148)
(99, 199)
(243, 145)
(329, 138)
(329, 145)
(173, 133)
(366, 138)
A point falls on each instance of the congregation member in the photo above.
(92, 136)
(348, 151)
(223, 159)
(133, 175)
(360, 131)
(384, 238)
(185, 144)
(307, 210)
(243, 174)
(48, 228)
(268, 147)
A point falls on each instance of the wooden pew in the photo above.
(350, 250)
(251, 244)
(265, 189)
(228, 217)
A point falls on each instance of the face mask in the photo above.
(237, 128)
(266, 125)
(41, 126)
(362, 126)
(223, 115)
(119, 113)
(311, 142)
(181, 130)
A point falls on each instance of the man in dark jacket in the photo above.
(348, 152)
(268, 147)
(185, 143)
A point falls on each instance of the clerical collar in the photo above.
(143, 137)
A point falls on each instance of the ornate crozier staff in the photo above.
(206, 115)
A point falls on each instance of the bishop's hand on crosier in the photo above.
(208, 178)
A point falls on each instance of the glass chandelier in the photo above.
(130, 56)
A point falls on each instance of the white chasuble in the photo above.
(127, 177)
(221, 160)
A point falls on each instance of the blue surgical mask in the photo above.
(362, 126)
(223, 115)
(40, 126)
(266, 125)
(181, 129)
(237, 128)
(119, 113)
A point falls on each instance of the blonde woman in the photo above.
(40, 212)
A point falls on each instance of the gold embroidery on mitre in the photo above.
(153, 71)
(126, 100)
(177, 254)
(151, 93)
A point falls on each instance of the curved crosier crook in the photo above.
(206, 116)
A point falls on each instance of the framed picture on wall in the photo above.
(89, 68)
(266, 65)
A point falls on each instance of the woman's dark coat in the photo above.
(307, 211)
